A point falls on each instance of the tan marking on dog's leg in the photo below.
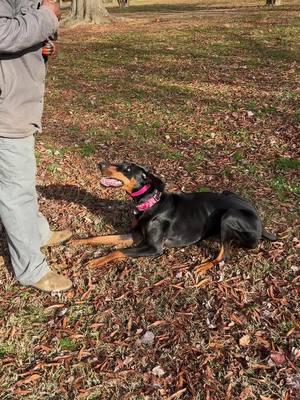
(108, 240)
(102, 261)
(202, 268)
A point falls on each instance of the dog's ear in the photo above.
(135, 165)
(157, 182)
(144, 173)
(145, 168)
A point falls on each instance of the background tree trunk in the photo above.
(123, 3)
(89, 11)
(273, 2)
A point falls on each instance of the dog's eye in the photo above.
(128, 169)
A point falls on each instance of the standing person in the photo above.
(25, 26)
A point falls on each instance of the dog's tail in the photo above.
(268, 236)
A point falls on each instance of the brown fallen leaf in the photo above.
(236, 319)
(260, 340)
(54, 306)
(260, 366)
(277, 358)
(204, 282)
(20, 392)
(157, 323)
(245, 341)
(246, 394)
(32, 378)
(177, 394)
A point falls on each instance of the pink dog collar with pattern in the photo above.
(149, 202)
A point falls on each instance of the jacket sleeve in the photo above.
(26, 30)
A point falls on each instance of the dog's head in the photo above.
(128, 176)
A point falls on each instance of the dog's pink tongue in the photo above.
(107, 182)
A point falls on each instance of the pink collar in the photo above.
(149, 202)
(141, 191)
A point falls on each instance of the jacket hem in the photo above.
(16, 135)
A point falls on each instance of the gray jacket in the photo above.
(23, 29)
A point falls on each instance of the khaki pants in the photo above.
(26, 228)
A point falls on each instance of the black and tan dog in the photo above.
(176, 219)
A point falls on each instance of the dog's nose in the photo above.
(103, 165)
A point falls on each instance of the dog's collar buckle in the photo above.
(149, 202)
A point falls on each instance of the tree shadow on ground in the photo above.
(177, 8)
(182, 77)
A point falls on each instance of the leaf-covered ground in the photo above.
(207, 102)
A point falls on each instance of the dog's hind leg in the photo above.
(202, 268)
(241, 226)
(107, 240)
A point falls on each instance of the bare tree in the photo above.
(123, 3)
(273, 2)
(89, 11)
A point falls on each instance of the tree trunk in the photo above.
(123, 3)
(273, 2)
(89, 11)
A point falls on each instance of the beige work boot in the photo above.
(53, 282)
(58, 237)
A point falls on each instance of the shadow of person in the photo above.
(114, 212)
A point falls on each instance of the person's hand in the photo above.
(52, 6)
(48, 48)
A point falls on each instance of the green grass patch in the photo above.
(238, 156)
(67, 344)
(53, 167)
(87, 150)
(203, 189)
(286, 163)
(5, 350)
(282, 186)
